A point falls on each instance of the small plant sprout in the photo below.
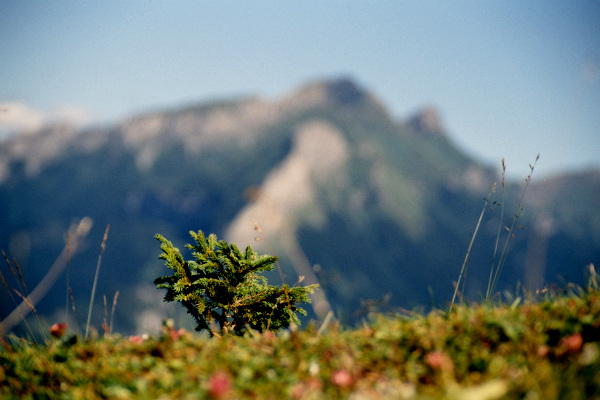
(223, 290)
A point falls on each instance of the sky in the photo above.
(510, 78)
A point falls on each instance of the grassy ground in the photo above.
(544, 349)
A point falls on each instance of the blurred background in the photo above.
(360, 137)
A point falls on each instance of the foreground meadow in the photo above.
(543, 349)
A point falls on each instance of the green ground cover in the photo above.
(547, 348)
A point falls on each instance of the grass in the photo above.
(102, 247)
(546, 348)
(497, 263)
(544, 345)
(77, 232)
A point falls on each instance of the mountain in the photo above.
(378, 211)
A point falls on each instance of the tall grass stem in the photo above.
(102, 248)
(510, 234)
(464, 265)
(487, 294)
(78, 232)
(68, 280)
(2, 331)
(112, 312)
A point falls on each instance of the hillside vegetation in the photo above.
(368, 207)
(543, 348)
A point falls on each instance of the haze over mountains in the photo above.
(367, 206)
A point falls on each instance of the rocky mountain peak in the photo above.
(344, 91)
(339, 92)
(427, 121)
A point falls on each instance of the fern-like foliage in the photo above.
(223, 290)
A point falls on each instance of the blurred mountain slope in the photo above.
(341, 191)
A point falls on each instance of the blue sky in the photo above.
(510, 78)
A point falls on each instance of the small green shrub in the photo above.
(222, 289)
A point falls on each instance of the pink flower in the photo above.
(543, 351)
(306, 388)
(136, 339)
(176, 334)
(268, 335)
(341, 378)
(573, 343)
(439, 360)
(219, 385)
(298, 391)
(57, 330)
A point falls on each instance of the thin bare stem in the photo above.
(2, 332)
(112, 312)
(488, 294)
(4, 280)
(74, 311)
(26, 292)
(464, 280)
(78, 231)
(14, 272)
(21, 277)
(510, 230)
(68, 280)
(102, 248)
(105, 321)
(32, 307)
(464, 265)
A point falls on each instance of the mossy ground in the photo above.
(544, 349)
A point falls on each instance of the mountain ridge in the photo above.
(345, 195)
